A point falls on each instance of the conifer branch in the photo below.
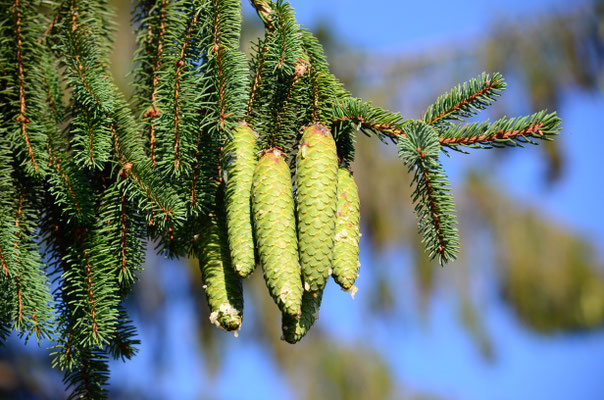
(370, 120)
(511, 132)
(434, 205)
(143, 180)
(89, 377)
(280, 94)
(177, 81)
(93, 99)
(32, 300)
(465, 100)
(57, 164)
(3, 263)
(49, 29)
(153, 111)
(123, 345)
(258, 66)
(22, 117)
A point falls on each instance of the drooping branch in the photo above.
(434, 205)
(153, 111)
(22, 117)
(177, 75)
(258, 66)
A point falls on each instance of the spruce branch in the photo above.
(224, 96)
(153, 196)
(257, 66)
(280, 93)
(372, 121)
(89, 378)
(434, 205)
(511, 132)
(93, 99)
(153, 19)
(49, 29)
(324, 88)
(123, 345)
(177, 82)
(22, 118)
(464, 101)
(6, 307)
(20, 96)
(91, 288)
(22, 264)
(84, 184)
(182, 66)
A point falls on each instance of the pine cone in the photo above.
(293, 328)
(239, 164)
(222, 285)
(316, 184)
(346, 240)
(275, 228)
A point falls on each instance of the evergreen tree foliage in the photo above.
(87, 177)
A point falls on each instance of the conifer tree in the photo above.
(228, 160)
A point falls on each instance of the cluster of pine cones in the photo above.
(299, 240)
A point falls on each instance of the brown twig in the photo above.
(257, 76)
(499, 135)
(395, 132)
(90, 137)
(22, 118)
(179, 63)
(386, 129)
(49, 29)
(3, 262)
(153, 112)
(433, 210)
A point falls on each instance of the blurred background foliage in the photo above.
(550, 276)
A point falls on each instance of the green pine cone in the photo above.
(294, 328)
(275, 228)
(222, 285)
(316, 185)
(239, 164)
(346, 240)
